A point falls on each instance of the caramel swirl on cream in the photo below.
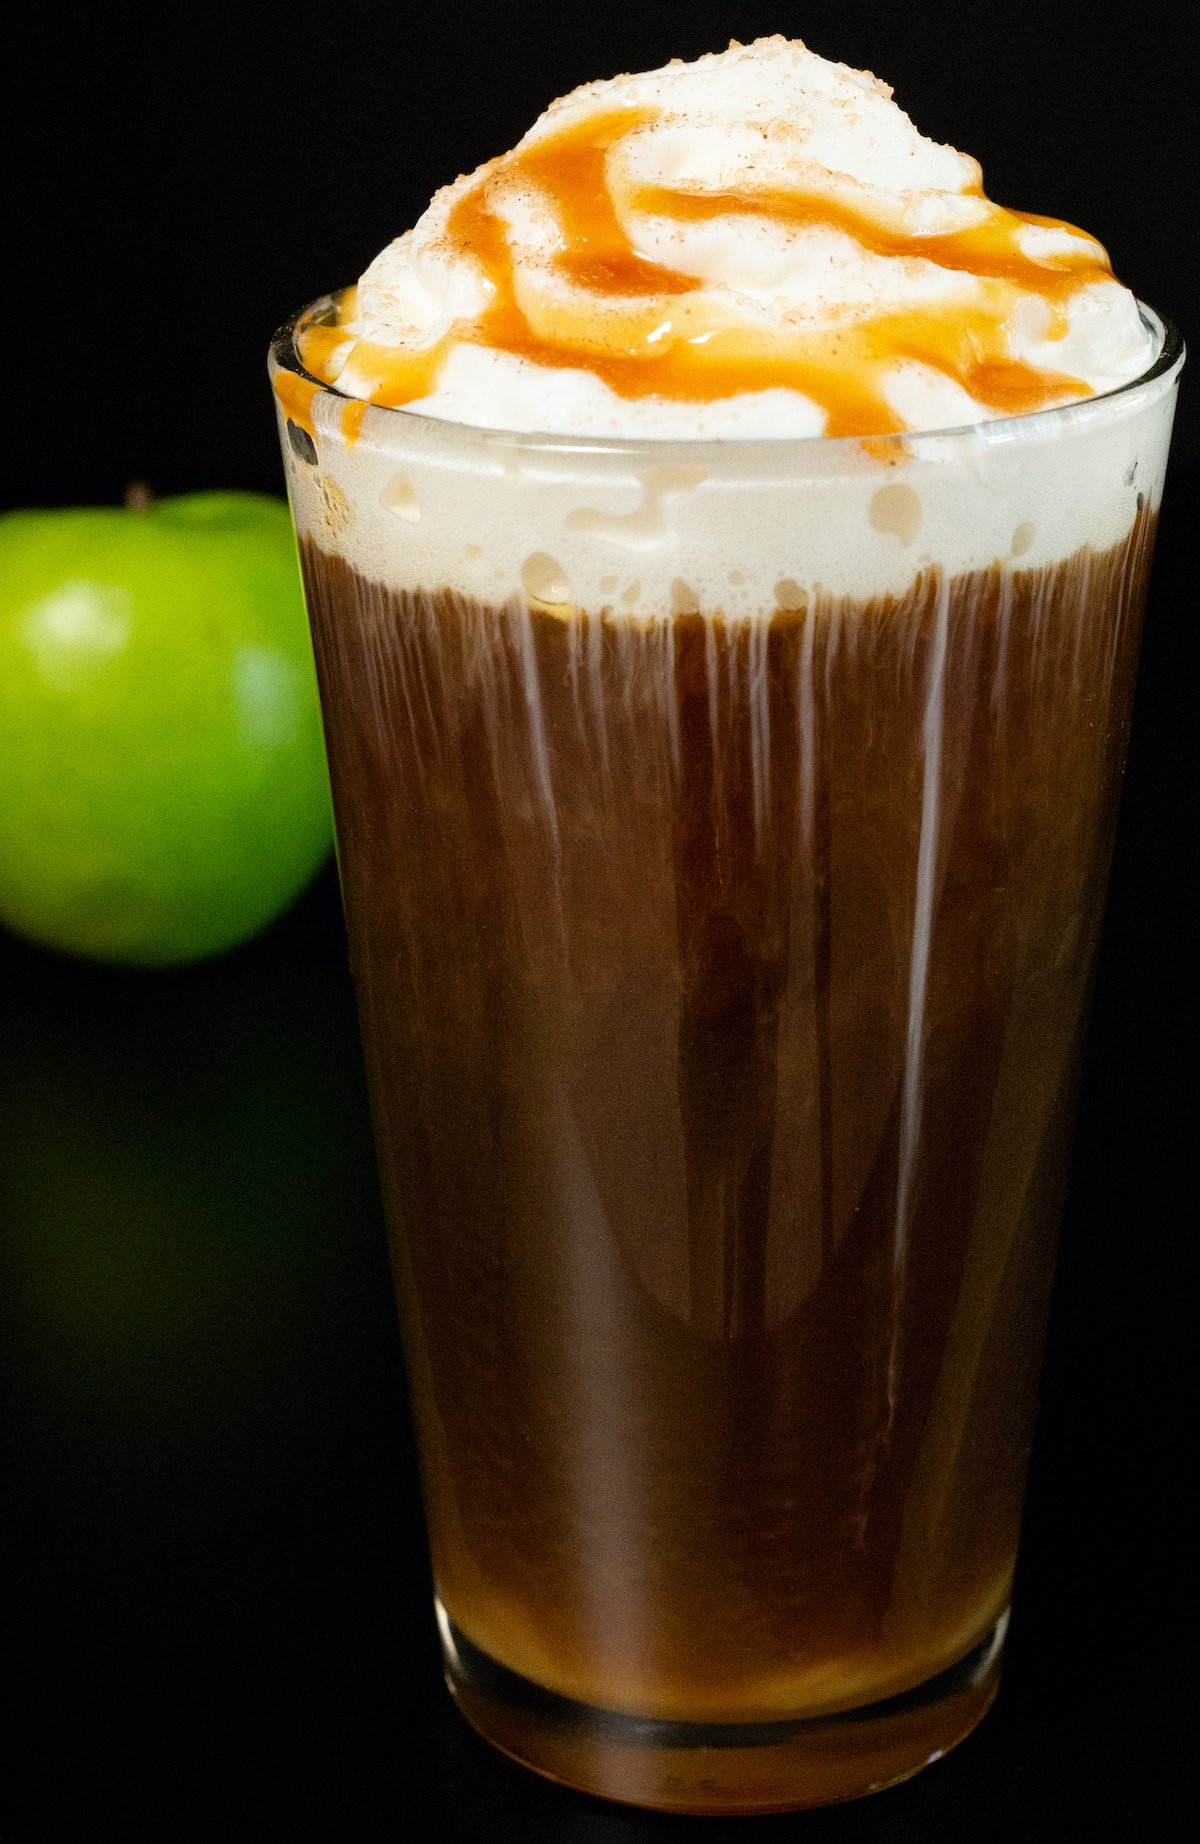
(759, 243)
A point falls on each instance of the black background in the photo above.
(216, 1612)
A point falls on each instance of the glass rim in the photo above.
(1165, 366)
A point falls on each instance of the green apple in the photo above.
(163, 792)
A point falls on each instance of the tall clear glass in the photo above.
(724, 830)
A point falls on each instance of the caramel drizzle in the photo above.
(649, 331)
(296, 394)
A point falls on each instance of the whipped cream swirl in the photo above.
(759, 243)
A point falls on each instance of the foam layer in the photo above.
(740, 528)
(758, 244)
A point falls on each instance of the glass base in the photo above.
(702, 1768)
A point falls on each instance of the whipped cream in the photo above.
(757, 244)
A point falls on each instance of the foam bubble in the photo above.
(399, 496)
(896, 508)
(544, 580)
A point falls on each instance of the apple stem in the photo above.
(138, 495)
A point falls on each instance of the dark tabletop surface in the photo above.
(216, 1601)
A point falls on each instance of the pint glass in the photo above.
(723, 830)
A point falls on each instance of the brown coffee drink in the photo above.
(721, 986)
(726, 532)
